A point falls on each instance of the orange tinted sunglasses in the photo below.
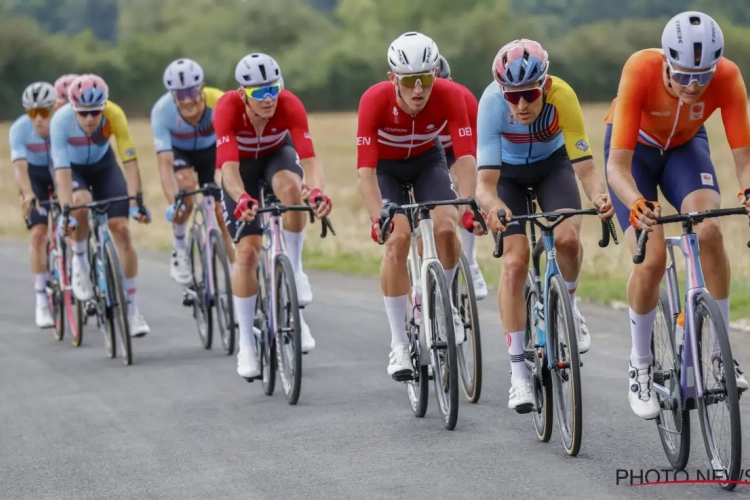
(43, 112)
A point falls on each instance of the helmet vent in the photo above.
(697, 53)
(695, 20)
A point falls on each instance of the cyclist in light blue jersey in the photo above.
(29, 152)
(183, 126)
(85, 166)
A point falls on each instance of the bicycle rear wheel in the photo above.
(469, 353)
(288, 331)
(265, 346)
(672, 423)
(201, 309)
(443, 348)
(541, 379)
(74, 308)
(563, 343)
(716, 365)
(222, 287)
(118, 300)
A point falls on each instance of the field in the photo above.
(352, 250)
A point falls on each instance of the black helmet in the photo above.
(444, 70)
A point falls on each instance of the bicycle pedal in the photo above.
(403, 376)
(524, 408)
(253, 379)
(580, 363)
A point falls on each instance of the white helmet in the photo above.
(39, 95)
(413, 53)
(257, 69)
(183, 74)
(693, 40)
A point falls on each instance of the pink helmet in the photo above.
(519, 63)
(88, 91)
(62, 84)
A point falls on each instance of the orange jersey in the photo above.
(644, 111)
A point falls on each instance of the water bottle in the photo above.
(679, 334)
(416, 300)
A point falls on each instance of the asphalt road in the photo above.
(181, 424)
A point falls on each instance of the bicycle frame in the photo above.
(99, 227)
(548, 240)
(207, 205)
(272, 245)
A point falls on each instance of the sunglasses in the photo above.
(423, 79)
(260, 93)
(685, 78)
(190, 94)
(89, 112)
(43, 112)
(528, 95)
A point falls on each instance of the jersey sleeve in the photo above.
(489, 131)
(299, 128)
(226, 133)
(571, 122)
(460, 128)
(367, 131)
(627, 115)
(17, 140)
(472, 109)
(162, 139)
(58, 134)
(212, 96)
(121, 131)
(734, 109)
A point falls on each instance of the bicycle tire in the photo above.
(75, 321)
(104, 318)
(541, 379)
(704, 302)
(267, 353)
(678, 453)
(558, 293)
(201, 310)
(284, 277)
(437, 287)
(224, 305)
(55, 298)
(417, 389)
(472, 388)
(118, 299)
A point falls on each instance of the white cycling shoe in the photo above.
(44, 317)
(308, 342)
(584, 338)
(718, 368)
(304, 291)
(458, 327)
(641, 394)
(480, 286)
(521, 397)
(82, 287)
(138, 325)
(179, 267)
(399, 364)
(247, 364)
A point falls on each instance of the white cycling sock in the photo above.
(178, 238)
(294, 243)
(518, 369)
(449, 275)
(40, 287)
(572, 286)
(395, 308)
(641, 330)
(724, 309)
(80, 257)
(130, 291)
(244, 310)
(468, 241)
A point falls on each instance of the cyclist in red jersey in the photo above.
(262, 134)
(399, 122)
(468, 238)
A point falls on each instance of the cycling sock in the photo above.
(40, 287)
(130, 290)
(467, 243)
(178, 238)
(518, 368)
(641, 329)
(724, 309)
(449, 275)
(244, 309)
(395, 308)
(572, 286)
(294, 248)
(79, 254)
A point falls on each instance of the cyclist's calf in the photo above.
(643, 285)
(714, 259)
(515, 267)
(118, 228)
(445, 220)
(244, 278)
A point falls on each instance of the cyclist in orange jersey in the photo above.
(656, 138)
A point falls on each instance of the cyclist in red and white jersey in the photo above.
(399, 122)
(262, 133)
(468, 238)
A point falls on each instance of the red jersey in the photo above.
(472, 108)
(237, 138)
(386, 132)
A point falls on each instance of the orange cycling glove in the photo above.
(637, 209)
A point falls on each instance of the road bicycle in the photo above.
(469, 352)
(211, 287)
(551, 341)
(685, 376)
(278, 344)
(429, 322)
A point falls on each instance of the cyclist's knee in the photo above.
(515, 263)
(81, 196)
(397, 244)
(39, 237)
(118, 226)
(287, 188)
(710, 238)
(653, 266)
(567, 241)
(246, 253)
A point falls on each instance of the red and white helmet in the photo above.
(88, 91)
(62, 84)
(520, 62)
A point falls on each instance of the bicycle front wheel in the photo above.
(222, 288)
(288, 331)
(265, 346)
(55, 289)
(541, 380)
(104, 317)
(443, 348)
(719, 408)
(566, 375)
(201, 309)
(469, 353)
(118, 300)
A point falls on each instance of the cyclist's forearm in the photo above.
(132, 176)
(64, 181)
(465, 170)
(314, 176)
(21, 173)
(593, 183)
(232, 180)
(487, 189)
(370, 191)
(621, 178)
(166, 173)
(742, 166)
